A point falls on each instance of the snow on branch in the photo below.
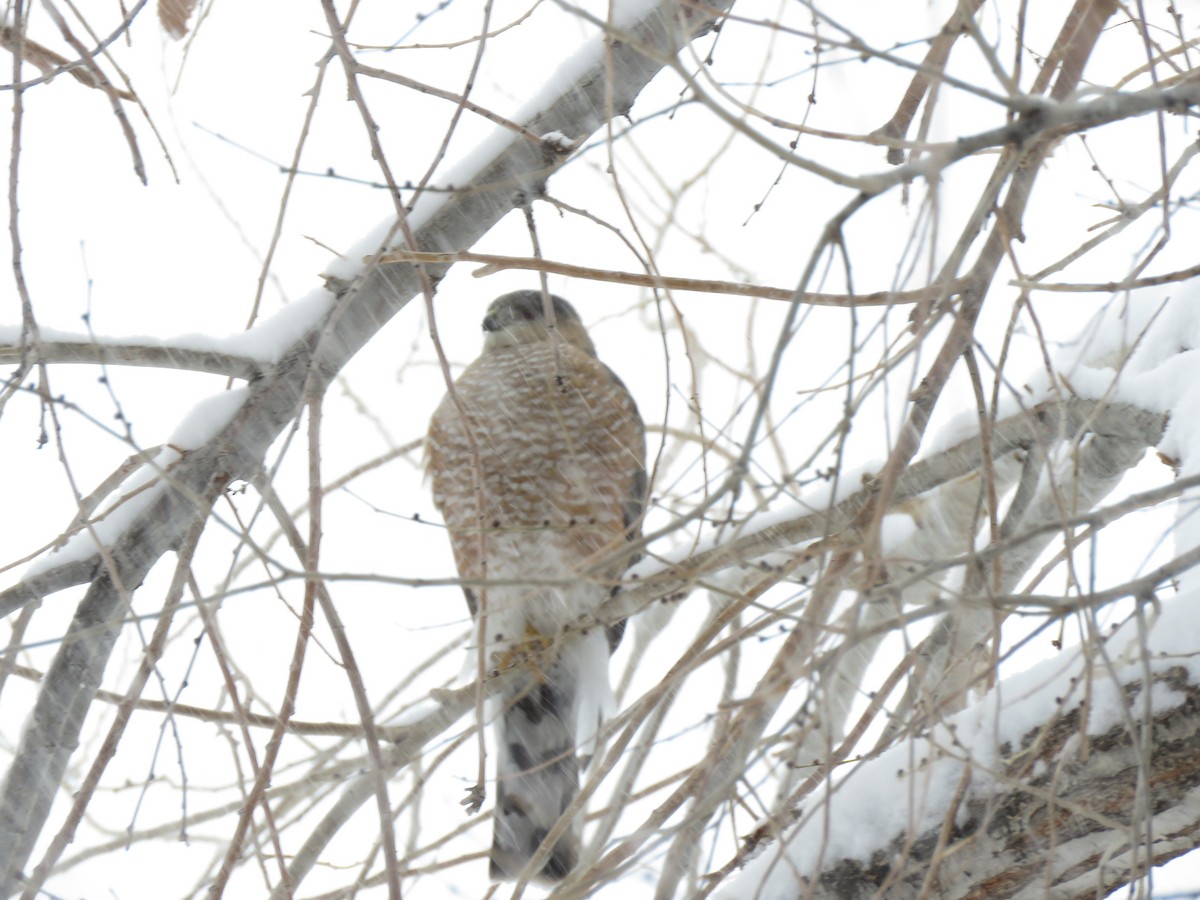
(1043, 426)
(1048, 784)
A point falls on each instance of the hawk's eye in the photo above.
(527, 314)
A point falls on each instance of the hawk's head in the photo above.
(520, 318)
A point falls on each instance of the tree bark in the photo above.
(1059, 819)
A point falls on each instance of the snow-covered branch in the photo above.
(1043, 426)
(1068, 781)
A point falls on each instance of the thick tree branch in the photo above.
(1055, 816)
(1044, 426)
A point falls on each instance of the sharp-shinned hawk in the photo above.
(538, 465)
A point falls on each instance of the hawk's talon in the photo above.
(526, 652)
(474, 799)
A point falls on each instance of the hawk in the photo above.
(537, 458)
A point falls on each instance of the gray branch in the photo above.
(52, 732)
(130, 353)
(956, 655)
(1045, 425)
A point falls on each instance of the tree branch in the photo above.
(1056, 815)
(155, 356)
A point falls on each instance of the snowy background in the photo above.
(732, 165)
